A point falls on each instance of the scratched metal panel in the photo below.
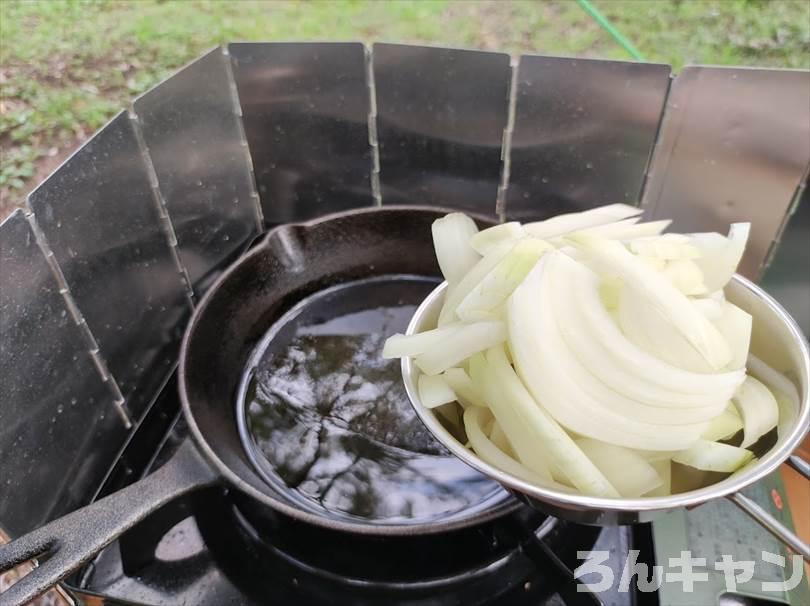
(305, 109)
(59, 428)
(194, 137)
(583, 134)
(101, 221)
(734, 145)
(788, 276)
(441, 115)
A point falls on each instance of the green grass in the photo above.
(66, 66)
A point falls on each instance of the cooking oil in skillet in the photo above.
(330, 423)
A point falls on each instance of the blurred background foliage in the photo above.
(67, 66)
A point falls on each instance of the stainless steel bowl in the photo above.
(776, 339)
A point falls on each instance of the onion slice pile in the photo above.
(593, 353)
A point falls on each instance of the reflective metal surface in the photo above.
(441, 115)
(734, 145)
(100, 219)
(583, 134)
(787, 277)
(59, 427)
(191, 128)
(305, 108)
(775, 338)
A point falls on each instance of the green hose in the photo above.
(608, 27)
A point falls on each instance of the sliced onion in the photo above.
(625, 363)
(434, 391)
(451, 239)
(457, 292)
(713, 456)
(654, 456)
(735, 326)
(653, 263)
(758, 410)
(723, 426)
(490, 453)
(628, 229)
(549, 372)
(720, 256)
(712, 309)
(492, 237)
(655, 289)
(609, 290)
(500, 439)
(461, 384)
(523, 441)
(504, 390)
(628, 471)
(466, 341)
(785, 392)
(752, 462)
(647, 327)
(492, 292)
(668, 247)
(663, 468)
(563, 224)
(400, 346)
(479, 315)
(477, 365)
(685, 275)
(607, 353)
(629, 396)
(773, 378)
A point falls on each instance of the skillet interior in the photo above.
(293, 262)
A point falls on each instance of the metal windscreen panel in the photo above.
(305, 108)
(100, 219)
(59, 427)
(787, 278)
(734, 145)
(192, 130)
(441, 115)
(583, 134)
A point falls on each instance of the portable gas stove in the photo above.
(200, 550)
(113, 250)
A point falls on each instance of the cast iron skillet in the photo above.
(291, 262)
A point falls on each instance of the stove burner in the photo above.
(206, 550)
(392, 562)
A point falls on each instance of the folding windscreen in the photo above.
(101, 271)
(441, 116)
(584, 130)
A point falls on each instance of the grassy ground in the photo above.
(68, 66)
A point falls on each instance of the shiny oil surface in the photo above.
(330, 424)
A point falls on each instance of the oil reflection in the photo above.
(332, 417)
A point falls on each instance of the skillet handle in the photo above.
(770, 523)
(76, 538)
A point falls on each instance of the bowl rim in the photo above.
(728, 486)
